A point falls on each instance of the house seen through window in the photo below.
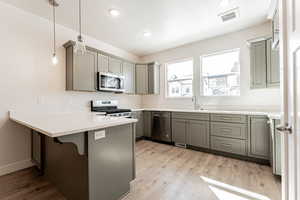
(180, 79)
(220, 74)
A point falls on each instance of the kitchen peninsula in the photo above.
(87, 156)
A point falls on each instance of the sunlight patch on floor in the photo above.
(228, 192)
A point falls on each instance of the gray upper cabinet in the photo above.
(102, 63)
(258, 60)
(141, 79)
(129, 74)
(265, 70)
(273, 66)
(198, 133)
(259, 137)
(115, 66)
(179, 129)
(80, 69)
(153, 78)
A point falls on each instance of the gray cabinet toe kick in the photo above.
(100, 164)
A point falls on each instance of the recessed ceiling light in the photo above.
(147, 34)
(114, 12)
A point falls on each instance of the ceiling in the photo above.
(171, 22)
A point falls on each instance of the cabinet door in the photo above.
(258, 61)
(102, 63)
(139, 128)
(198, 133)
(179, 131)
(147, 123)
(153, 78)
(277, 148)
(115, 66)
(84, 74)
(141, 79)
(259, 137)
(129, 74)
(273, 70)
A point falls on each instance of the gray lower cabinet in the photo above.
(139, 127)
(141, 79)
(258, 59)
(229, 145)
(80, 69)
(198, 133)
(259, 137)
(179, 131)
(147, 123)
(129, 74)
(229, 130)
(276, 147)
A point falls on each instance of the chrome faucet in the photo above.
(196, 105)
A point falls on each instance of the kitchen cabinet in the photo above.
(80, 69)
(147, 79)
(259, 137)
(229, 130)
(115, 65)
(147, 123)
(129, 75)
(153, 78)
(198, 133)
(229, 145)
(265, 66)
(142, 79)
(102, 63)
(273, 66)
(179, 130)
(191, 129)
(258, 60)
(139, 127)
(276, 147)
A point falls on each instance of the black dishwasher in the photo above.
(161, 126)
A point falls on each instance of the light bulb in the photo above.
(54, 59)
(80, 47)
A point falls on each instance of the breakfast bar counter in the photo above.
(87, 156)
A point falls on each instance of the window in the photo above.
(180, 79)
(221, 74)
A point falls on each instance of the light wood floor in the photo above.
(168, 173)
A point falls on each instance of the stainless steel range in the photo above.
(109, 108)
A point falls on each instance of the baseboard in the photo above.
(13, 167)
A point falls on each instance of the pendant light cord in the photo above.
(80, 19)
(54, 29)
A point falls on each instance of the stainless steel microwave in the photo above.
(110, 82)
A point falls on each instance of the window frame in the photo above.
(201, 67)
(167, 81)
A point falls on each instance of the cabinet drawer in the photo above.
(193, 116)
(229, 145)
(238, 131)
(229, 118)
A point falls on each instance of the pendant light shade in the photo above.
(54, 4)
(80, 47)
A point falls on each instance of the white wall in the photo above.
(29, 80)
(261, 99)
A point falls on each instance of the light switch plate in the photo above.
(99, 135)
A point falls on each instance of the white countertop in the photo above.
(273, 115)
(61, 124)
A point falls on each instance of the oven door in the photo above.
(110, 82)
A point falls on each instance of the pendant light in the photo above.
(80, 47)
(54, 4)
